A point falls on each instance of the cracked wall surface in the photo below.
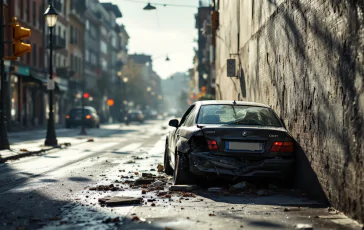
(305, 58)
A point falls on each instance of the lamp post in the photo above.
(51, 19)
(125, 80)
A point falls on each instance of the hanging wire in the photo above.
(161, 4)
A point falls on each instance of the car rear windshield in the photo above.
(238, 115)
(76, 112)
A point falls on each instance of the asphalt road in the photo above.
(52, 191)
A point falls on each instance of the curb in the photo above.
(31, 153)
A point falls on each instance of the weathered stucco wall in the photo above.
(305, 58)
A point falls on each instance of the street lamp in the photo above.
(149, 89)
(125, 80)
(51, 19)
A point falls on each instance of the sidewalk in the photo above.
(28, 148)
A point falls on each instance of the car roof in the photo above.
(230, 102)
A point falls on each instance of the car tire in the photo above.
(180, 176)
(68, 126)
(167, 166)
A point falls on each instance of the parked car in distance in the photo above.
(74, 117)
(134, 116)
(229, 139)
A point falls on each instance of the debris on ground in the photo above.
(138, 158)
(214, 189)
(304, 226)
(241, 186)
(90, 140)
(144, 180)
(119, 200)
(160, 168)
(183, 188)
(130, 162)
(211, 214)
(136, 173)
(110, 187)
(24, 150)
(291, 209)
(109, 220)
(148, 175)
(135, 218)
(157, 183)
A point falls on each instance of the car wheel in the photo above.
(167, 166)
(180, 176)
(68, 126)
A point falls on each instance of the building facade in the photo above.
(304, 59)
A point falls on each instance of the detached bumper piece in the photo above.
(206, 163)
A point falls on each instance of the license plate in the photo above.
(78, 118)
(248, 146)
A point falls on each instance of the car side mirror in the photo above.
(173, 123)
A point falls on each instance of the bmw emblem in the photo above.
(245, 134)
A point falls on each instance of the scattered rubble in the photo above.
(110, 187)
(160, 168)
(183, 187)
(144, 180)
(242, 186)
(90, 140)
(119, 200)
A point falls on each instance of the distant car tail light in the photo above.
(212, 145)
(67, 116)
(282, 146)
(88, 117)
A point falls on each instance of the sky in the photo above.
(169, 30)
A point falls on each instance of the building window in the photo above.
(40, 55)
(34, 51)
(71, 34)
(103, 47)
(87, 56)
(21, 8)
(27, 10)
(34, 13)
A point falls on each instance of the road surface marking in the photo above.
(99, 146)
(129, 148)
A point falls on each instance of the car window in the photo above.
(191, 118)
(185, 116)
(238, 115)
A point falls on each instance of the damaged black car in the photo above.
(229, 139)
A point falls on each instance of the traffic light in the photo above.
(19, 34)
(86, 95)
(110, 102)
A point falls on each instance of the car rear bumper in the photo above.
(87, 122)
(206, 164)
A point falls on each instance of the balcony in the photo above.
(58, 42)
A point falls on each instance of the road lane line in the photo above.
(97, 146)
(129, 148)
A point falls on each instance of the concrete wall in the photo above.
(305, 58)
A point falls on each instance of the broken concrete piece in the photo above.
(304, 226)
(183, 187)
(144, 180)
(119, 200)
(148, 175)
(241, 187)
(160, 168)
(157, 183)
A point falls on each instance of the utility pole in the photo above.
(4, 142)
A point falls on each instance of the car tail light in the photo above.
(88, 117)
(67, 116)
(282, 146)
(212, 145)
